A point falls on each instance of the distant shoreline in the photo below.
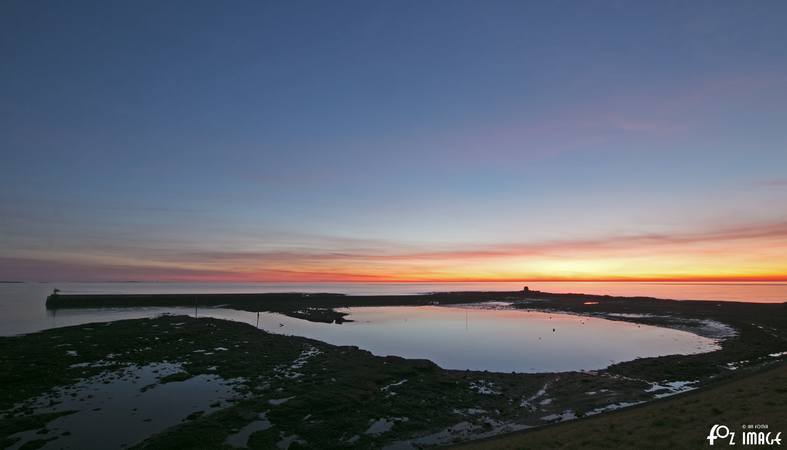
(327, 299)
(743, 292)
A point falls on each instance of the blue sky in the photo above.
(135, 135)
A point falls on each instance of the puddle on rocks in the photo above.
(241, 438)
(119, 409)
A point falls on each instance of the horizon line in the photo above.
(777, 280)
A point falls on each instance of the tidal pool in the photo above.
(119, 408)
(489, 338)
(485, 336)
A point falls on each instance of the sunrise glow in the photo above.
(397, 150)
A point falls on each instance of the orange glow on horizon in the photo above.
(347, 278)
(753, 253)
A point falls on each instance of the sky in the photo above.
(393, 141)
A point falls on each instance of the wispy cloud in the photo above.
(734, 252)
(31, 269)
(394, 251)
(772, 183)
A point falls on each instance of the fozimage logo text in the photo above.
(750, 434)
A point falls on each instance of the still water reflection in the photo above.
(498, 340)
(453, 337)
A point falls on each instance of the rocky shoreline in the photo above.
(294, 392)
